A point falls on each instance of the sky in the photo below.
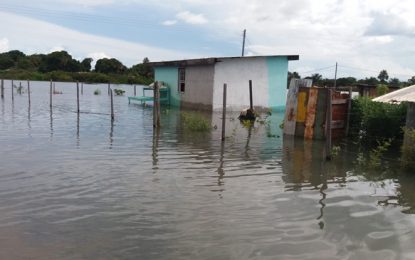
(362, 36)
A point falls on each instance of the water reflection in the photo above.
(155, 147)
(135, 192)
(111, 134)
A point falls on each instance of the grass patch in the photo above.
(195, 122)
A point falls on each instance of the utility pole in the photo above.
(335, 77)
(243, 43)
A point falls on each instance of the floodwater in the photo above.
(83, 188)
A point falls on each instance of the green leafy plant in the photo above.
(119, 92)
(381, 89)
(195, 122)
(408, 150)
(372, 121)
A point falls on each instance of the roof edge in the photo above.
(212, 60)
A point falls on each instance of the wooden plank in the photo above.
(320, 120)
(291, 108)
(338, 101)
(301, 107)
(311, 113)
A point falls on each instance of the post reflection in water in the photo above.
(281, 200)
(155, 147)
(51, 123)
(78, 139)
(111, 136)
(305, 168)
(220, 170)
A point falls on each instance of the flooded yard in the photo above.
(85, 188)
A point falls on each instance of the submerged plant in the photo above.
(119, 92)
(195, 122)
(97, 92)
(408, 150)
(374, 161)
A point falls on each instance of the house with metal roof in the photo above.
(198, 83)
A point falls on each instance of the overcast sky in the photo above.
(363, 36)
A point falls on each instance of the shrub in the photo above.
(373, 121)
(195, 122)
(119, 92)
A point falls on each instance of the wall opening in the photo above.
(182, 79)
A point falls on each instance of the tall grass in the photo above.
(195, 122)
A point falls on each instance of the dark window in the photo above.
(182, 79)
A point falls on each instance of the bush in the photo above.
(371, 121)
(195, 122)
(119, 92)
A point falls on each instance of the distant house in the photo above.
(198, 83)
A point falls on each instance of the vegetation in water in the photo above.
(374, 160)
(195, 122)
(408, 150)
(97, 92)
(371, 121)
(119, 92)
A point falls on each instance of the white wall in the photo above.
(236, 73)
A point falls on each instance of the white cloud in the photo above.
(4, 45)
(48, 36)
(169, 22)
(191, 18)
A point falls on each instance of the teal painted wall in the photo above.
(170, 76)
(277, 80)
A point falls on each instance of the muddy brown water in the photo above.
(82, 188)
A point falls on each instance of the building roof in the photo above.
(402, 95)
(213, 60)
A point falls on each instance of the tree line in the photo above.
(61, 66)
(382, 80)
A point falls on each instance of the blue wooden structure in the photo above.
(164, 96)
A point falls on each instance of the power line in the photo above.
(319, 69)
(84, 17)
(375, 71)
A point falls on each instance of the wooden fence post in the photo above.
(224, 112)
(135, 90)
(50, 94)
(2, 88)
(12, 90)
(251, 106)
(82, 88)
(156, 105)
(28, 91)
(77, 97)
(112, 105)
(109, 89)
(329, 118)
(349, 110)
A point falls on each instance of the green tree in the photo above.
(369, 81)
(143, 69)
(5, 62)
(59, 60)
(109, 66)
(411, 81)
(395, 82)
(86, 64)
(348, 81)
(383, 76)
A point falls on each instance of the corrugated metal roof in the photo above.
(402, 95)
